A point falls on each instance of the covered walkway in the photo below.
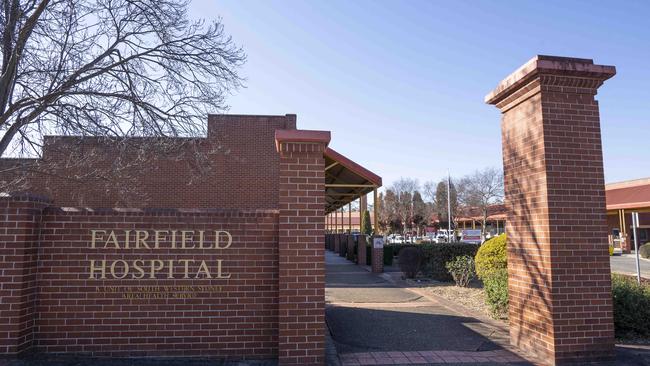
(346, 182)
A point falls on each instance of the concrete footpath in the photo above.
(375, 322)
(372, 320)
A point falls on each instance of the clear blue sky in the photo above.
(401, 83)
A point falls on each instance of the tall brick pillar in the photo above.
(20, 218)
(361, 250)
(558, 263)
(302, 258)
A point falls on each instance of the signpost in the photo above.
(378, 242)
(635, 225)
(472, 236)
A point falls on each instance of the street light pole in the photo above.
(449, 207)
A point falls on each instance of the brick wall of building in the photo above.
(234, 166)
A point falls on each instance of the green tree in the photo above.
(366, 225)
(441, 202)
(420, 211)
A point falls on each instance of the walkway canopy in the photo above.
(346, 181)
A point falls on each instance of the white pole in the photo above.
(635, 224)
(449, 207)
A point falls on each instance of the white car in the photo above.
(441, 237)
(395, 239)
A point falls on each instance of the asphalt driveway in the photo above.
(626, 264)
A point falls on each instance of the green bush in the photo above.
(644, 251)
(388, 255)
(631, 307)
(495, 284)
(462, 270)
(410, 261)
(435, 256)
(366, 224)
(398, 247)
(491, 256)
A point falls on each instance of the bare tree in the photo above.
(111, 68)
(483, 189)
(404, 189)
(429, 191)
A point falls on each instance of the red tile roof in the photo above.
(628, 195)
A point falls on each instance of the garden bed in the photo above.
(473, 297)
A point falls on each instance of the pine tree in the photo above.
(366, 225)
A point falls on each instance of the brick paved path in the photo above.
(429, 357)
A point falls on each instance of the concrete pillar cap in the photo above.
(549, 65)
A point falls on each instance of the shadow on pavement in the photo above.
(409, 329)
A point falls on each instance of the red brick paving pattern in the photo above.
(427, 357)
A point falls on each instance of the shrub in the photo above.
(644, 251)
(631, 307)
(611, 250)
(435, 256)
(491, 256)
(410, 260)
(388, 255)
(462, 270)
(495, 285)
(398, 247)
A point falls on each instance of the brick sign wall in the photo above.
(232, 268)
(159, 293)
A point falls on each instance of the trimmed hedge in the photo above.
(388, 255)
(631, 307)
(495, 284)
(398, 247)
(491, 256)
(644, 251)
(436, 256)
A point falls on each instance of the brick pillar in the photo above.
(343, 240)
(558, 263)
(377, 259)
(337, 243)
(350, 252)
(301, 338)
(19, 229)
(361, 251)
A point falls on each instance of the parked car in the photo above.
(395, 239)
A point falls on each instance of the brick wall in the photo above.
(141, 315)
(558, 265)
(302, 256)
(234, 166)
(19, 234)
